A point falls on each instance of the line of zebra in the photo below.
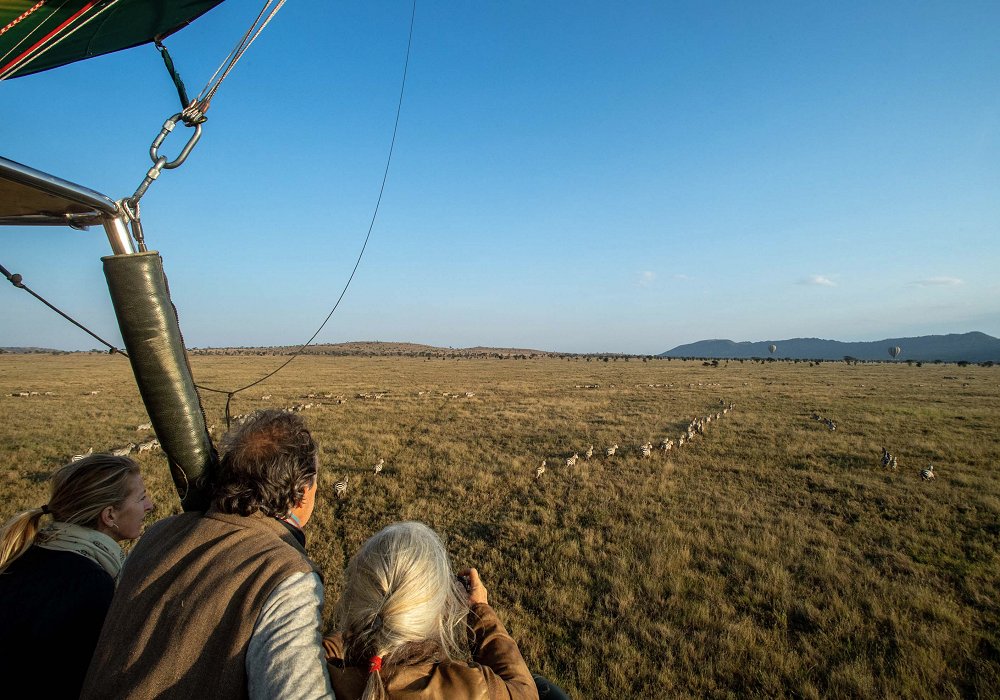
(123, 451)
(828, 422)
(695, 427)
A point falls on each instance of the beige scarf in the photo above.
(86, 541)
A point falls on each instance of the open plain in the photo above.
(770, 556)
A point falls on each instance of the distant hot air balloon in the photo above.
(772, 348)
(894, 351)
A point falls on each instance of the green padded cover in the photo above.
(152, 337)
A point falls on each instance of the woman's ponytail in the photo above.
(79, 491)
(375, 688)
(19, 534)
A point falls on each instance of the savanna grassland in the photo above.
(770, 557)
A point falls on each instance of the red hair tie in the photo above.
(375, 664)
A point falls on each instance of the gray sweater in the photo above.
(285, 658)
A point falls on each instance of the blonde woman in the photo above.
(56, 581)
(404, 620)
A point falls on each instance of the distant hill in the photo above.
(376, 348)
(954, 347)
(31, 351)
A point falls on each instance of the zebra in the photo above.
(571, 461)
(143, 426)
(340, 488)
(124, 451)
(379, 465)
(589, 453)
(886, 457)
(928, 473)
(610, 452)
(647, 449)
(680, 441)
(77, 458)
(149, 445)
(539, 470)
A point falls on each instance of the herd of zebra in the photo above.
(828, 422)
(129, 447)
(695, 427)
(890, 462)
(340, 486)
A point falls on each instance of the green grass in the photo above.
(771, 557)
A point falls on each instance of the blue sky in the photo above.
(568, 176)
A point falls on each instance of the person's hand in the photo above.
(477, 591)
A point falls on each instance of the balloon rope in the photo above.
(30, 55)
(38, 27)
(371, 226)
(21, 17)
(16, 280)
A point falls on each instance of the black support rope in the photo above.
(357, 263)
(174, 75)
(16, 280)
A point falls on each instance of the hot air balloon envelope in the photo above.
(772, 348)
(894, 351)
(38, 35)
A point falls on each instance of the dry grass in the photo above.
(770, 558)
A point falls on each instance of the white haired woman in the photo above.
(402, 620)
(56, 582)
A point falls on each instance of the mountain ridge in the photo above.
(973, 346)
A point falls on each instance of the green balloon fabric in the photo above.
(38, 36)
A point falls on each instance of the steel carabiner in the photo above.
(168, 126)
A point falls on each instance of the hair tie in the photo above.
(375, 664)
(45, 509)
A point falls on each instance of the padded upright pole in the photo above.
(155, 347)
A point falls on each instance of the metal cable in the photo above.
(194, 112)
